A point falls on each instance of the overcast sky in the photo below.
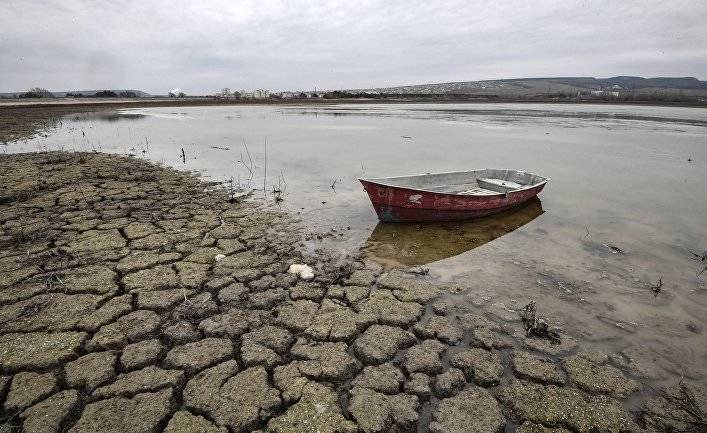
(202, 46)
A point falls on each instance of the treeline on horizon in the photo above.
(38, 92)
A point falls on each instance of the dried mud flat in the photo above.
(116, 316)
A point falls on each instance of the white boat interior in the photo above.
(488, 181)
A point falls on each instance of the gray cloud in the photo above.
(203, 46)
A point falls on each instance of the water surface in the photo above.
(625, 207)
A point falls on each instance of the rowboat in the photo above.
(450, 196)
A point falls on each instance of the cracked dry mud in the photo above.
(116, 317)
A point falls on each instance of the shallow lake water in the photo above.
(626, 206)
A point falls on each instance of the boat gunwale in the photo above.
(376, 180)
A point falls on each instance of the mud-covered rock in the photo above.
(206, 255)
(290, 381)
(185, 422)
(380, 343)
(49, 415)
(148, 379)
(408, 288)
(384, 378)
(194, 357)
(273, 337)
(141, 354)
(11, 277)
(161, 299)
(130, 328)
(244, 275)
(361, 278)
(482, 365)
(47, 312)
(472, 321)
(440, 327)
(375, 412)
(419, 385)
(324, 360)
(536, 368)
(155, 278)
(317, 411)
(388, 310)
(195, 308)
(181, 332)
(137, 261)
(285, 280)
(296, 316)
(155, 241)
(566, 345)
(29, 388)
(230, 246)
(226, 231)
(489, 339)
(445, 307)
(245, 260)
(97, 279)
(267, 299)
(90, 371)
(449, 383)
(136, 230)
(473, 410)
(108, 312)
(218, 283)
(424, 357)
(233, 323)
(256, 354)
(97, 240)
(596, 378)
(306, 290)
(335, 292)
(233, 295)
(236, 400)
(335, 322)
(354, 294)
(140, 414)
(569, 407)
(192, 275)
(680, 407)
(38, 350)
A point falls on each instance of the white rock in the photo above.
(219, 257)
(303, 271)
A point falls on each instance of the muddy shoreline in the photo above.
(128, 288)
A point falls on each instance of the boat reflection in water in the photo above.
(405, 245)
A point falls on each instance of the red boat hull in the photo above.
(397, 204)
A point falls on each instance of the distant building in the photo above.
(254, 94)
(604, 93)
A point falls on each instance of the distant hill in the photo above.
(524, 87)
(85, 93)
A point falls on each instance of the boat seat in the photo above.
(478, 191)
(498, 185)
